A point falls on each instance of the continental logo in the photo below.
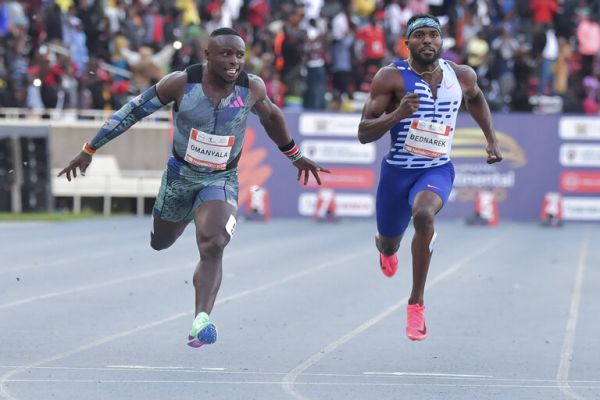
(470, 143)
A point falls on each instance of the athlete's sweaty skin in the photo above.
(225, 63)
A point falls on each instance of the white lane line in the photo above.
(167, 368)
(428, 375)
(5, 377)
(566, 356)
(255, 249)
(143, 367)
(370, 375)
(289, 380)
(237, 383)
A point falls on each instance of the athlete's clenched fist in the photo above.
(409, 104)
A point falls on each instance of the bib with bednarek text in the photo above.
(428, 139)
(206, 150)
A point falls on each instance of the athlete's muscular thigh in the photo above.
(164, 233)
(215, 222)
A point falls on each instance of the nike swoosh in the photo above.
(448, 87)
(434, 187)
(423, 331)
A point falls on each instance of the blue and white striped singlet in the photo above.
(442, 109)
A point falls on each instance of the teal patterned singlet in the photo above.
(198, 111)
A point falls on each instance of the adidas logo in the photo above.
(237, 103)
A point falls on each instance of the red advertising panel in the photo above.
(580, 182)
(346, 178)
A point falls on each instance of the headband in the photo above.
(425, 22)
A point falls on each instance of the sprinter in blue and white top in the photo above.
(417, 101)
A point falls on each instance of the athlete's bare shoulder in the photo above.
(386, 88)
(258, 90)
(171, 87)
(388, 79)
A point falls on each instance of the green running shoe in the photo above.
(203, 331)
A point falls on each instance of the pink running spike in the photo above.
(415, 322)
(388, 264)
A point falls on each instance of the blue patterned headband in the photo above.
(424, 22)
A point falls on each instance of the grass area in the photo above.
(58, 216)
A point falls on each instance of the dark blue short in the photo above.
(397, 190)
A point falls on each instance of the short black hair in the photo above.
(419, 16)
(224, 31)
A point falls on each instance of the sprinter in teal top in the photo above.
(211, 104)
(226, 118)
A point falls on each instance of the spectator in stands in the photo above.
(397, 14)
(77, 44)
(134, 29)
(158, 23)
(342, 33)
(590, 103)
(504, 48)
(561, 68)
(588, 38)
(548, 62)
(316, 73)
(293, 72)
(372, 37)
(4, 20)
(543, 11)
(148, 67)
(477, 54)
(95, 90)
(53, 22)
(5, 92)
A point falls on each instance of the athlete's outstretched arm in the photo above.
(152, 99)
(479, 109)
(375, 122)
(271, 118)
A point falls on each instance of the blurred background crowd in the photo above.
(312, 54)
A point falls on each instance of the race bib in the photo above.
(206, 150)
(427, 139)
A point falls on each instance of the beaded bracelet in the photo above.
(291, 151)
(88, 149)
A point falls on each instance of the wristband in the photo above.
(291, 151)
(88, 149)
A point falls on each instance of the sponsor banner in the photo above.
(579, 128)
(580, 155)
(530, 145)
(346, 204)
(338, 151)
(325, 124)
(580, 182)
(346, 178)
(581, 208)
(489, 179)
(530, 167)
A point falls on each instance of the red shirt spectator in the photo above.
(543, 10)
(373, 37)
(258, 13)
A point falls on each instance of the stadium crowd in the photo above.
(313, 54)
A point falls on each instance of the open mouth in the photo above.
(232, 72)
